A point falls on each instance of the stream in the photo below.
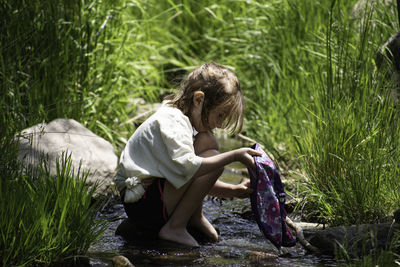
(242, 244)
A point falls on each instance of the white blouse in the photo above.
(162, 146)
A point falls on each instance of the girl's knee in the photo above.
(205, 141)
(209, 153)
(206, 145)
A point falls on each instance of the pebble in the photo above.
(262, 256)
(121, 261)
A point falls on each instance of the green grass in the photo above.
(44, 74)
(350, 148)
(46, 220)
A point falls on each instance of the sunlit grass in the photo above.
(350, 147)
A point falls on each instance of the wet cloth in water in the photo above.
(268, 201)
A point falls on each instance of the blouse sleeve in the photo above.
(177, 135)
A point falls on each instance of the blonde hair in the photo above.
(220, 87)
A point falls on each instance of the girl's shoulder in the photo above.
(167, 110)
(171, 119)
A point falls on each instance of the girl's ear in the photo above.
(198, 98)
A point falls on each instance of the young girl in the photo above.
(172, 162)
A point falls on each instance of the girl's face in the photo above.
(215, 119)
(216, 116)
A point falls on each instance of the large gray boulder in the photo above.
(95, 154)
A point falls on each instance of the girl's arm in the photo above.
(243, 155)
(226, 190)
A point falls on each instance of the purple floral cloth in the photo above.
(268, 200)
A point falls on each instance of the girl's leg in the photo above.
(185, 208)
(175, 228)
(200, 222)
(185, 204)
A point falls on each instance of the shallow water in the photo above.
(242, 242)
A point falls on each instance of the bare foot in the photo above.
(177, 235)
(205, 227)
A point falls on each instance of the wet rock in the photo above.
(174, 258)
(309, 226)
(261, 256)
(246, 213)
(121, 261)
(94, 153)
(357, 239)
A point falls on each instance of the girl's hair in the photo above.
(220, 87)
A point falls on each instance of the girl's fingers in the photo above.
(243, 191)
(245, 155)
(246, 183)
(254, 152)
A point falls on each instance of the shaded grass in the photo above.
(388, 256)
(46, 220)
(44, 72)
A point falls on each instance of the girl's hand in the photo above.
(245, 156)
(243, 189)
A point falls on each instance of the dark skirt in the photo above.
(149, 212)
